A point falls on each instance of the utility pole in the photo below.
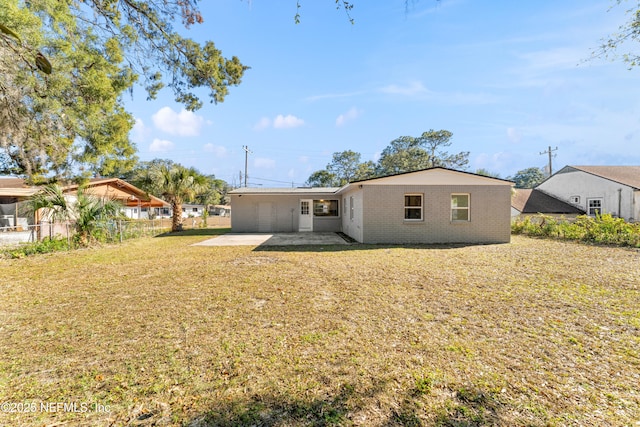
(246, 159)
(549, 151)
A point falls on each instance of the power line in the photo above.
(549, 151)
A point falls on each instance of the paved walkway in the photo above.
(277, 239)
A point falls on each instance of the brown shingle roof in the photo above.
(627, 175)
(12, 183)
(534, 201)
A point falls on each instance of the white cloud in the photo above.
(264, 163)
(280, 122)
(263, 123)
(303, 159)
(350, 115)
(218, 150)
(160, 145)
(412, 89)
(286, 122)
(493, 162)
(184, 123)
(513, 135)
(140, 131)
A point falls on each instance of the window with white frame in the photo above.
(413, 207)
(460, 207)
(594, 207)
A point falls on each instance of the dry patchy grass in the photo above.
(530, 333)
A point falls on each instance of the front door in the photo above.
(305, 222)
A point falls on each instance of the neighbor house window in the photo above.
(195, 209)
(594, 207)
(460, 207)
(413, 207)
(325, 208)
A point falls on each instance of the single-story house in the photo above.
(527, 202)
(598, 189)
(15, 214)
(436, 205)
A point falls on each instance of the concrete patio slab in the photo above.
(276, 239)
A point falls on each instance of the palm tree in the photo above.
(84, 211)
(175, 184)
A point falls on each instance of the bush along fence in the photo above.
(103, 231)
(601, 229)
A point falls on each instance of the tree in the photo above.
(344, 166)
(322, 178)
(83, 209)
(486, 172)
(173, 183)
(407, 153)
(528, 178)
(629, 31)
(212, 193)
(74, 116)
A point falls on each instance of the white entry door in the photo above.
(265, 215)
(305, 222)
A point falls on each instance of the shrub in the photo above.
(603, 229)
(45, 246)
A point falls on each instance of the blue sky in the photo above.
(507, 78)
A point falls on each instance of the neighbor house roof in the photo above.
(627, 175)
(16, 187)
(114, 188)
(532, 201)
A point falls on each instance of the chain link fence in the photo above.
(112, 230)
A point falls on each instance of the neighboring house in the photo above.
(436, 205)
(220, 210)
(598, 189)
(14, 193)
(192, 210)
(527, 202)
(137, 203)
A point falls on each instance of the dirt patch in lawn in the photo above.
(160, 332)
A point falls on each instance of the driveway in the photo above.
(277, 239)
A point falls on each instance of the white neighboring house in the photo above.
(192, 210)
(598, 189)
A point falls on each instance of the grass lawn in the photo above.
(157, 332)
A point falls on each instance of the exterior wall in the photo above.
(383, 220)
(245, 217)
(569, 182)
(352, 227)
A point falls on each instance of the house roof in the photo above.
(16, 187)
(111, 187)
(297, 190)
(433, 171)
(430, 176)
(116, 188)
(531, 201)
(627, 175)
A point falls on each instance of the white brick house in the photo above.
(436, 205)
